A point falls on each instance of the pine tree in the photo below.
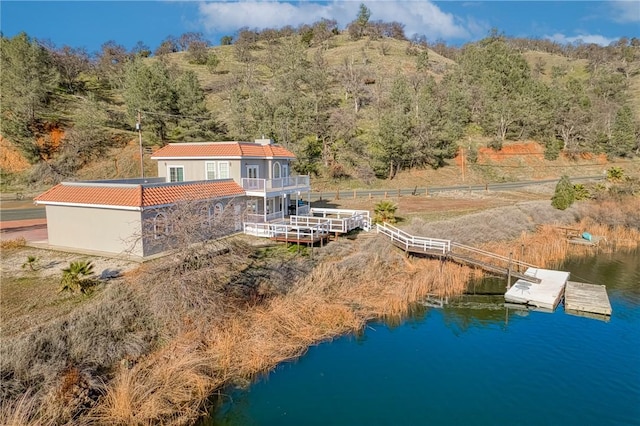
(564, 195)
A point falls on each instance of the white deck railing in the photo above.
(289, 231)
(261, 218)
(268, 185)
(351, 219)
(413, 242)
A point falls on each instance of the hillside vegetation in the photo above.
(363, 102)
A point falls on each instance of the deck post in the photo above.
(509, 271)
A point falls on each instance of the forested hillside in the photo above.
(363, 102)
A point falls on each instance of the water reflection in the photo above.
(472, 362)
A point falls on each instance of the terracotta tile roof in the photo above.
(137, 196)
(124, 196)
(222, 149)
(168, 194)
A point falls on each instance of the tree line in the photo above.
(355, 118)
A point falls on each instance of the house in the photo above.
(222, 183)
(137, 218)
(261, 168)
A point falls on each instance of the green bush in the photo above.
(564, 195)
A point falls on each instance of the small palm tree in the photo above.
(385, 211)
(73, 276)
(31, 263)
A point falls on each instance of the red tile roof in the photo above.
(222, 149)
(137, 196)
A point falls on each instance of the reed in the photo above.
(13, 244)
(224, 325)
(165, 388)
(23, 411)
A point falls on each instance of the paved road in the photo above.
(504, 186)
(18, 210)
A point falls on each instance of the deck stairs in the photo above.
(456, 252)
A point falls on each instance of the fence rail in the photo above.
(411, 242)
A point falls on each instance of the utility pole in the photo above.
(139, 127)
(462, 161)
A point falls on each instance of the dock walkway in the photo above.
(537, 288)
(590, 298)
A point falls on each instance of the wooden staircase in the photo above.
(458, 253)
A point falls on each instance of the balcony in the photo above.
(286, 185)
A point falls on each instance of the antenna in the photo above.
(139, 129)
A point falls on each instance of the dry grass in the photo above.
(240, 327)
(13, 244)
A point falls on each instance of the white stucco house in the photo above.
(261, 168)
(242, 181)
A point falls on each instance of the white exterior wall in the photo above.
(96, 229)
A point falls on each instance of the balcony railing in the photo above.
(268, 185)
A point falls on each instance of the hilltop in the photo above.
(358, 111)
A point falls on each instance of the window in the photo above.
(276, 170)
(217, 211)
(210, 170)
(176, 174)
(223, 170)
(252, 172)
(160, 226)
(285, 170)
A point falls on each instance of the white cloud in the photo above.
(626, 11)
(585, 38)
(419, 17)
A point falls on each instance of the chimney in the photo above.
(264, 141)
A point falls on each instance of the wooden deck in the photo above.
(301, 239)
(588, 298)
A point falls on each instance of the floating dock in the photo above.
(588, 298)
(546, 294)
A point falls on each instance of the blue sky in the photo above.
(90, 23)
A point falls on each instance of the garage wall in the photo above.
(106, 230)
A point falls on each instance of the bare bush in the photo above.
(93, 340)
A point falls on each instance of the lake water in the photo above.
(472, 362)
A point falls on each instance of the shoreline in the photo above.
(172, 383)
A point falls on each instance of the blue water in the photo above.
(467, 366)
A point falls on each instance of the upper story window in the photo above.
(210, 170)
(252, 171)
(285, 170)
(223, 170)
(277, 171)
(176, 174)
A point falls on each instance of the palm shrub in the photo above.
(564, 195)
(580, 192)
(31, 263)
(385, 211)
(73, 276)
(615, 174)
